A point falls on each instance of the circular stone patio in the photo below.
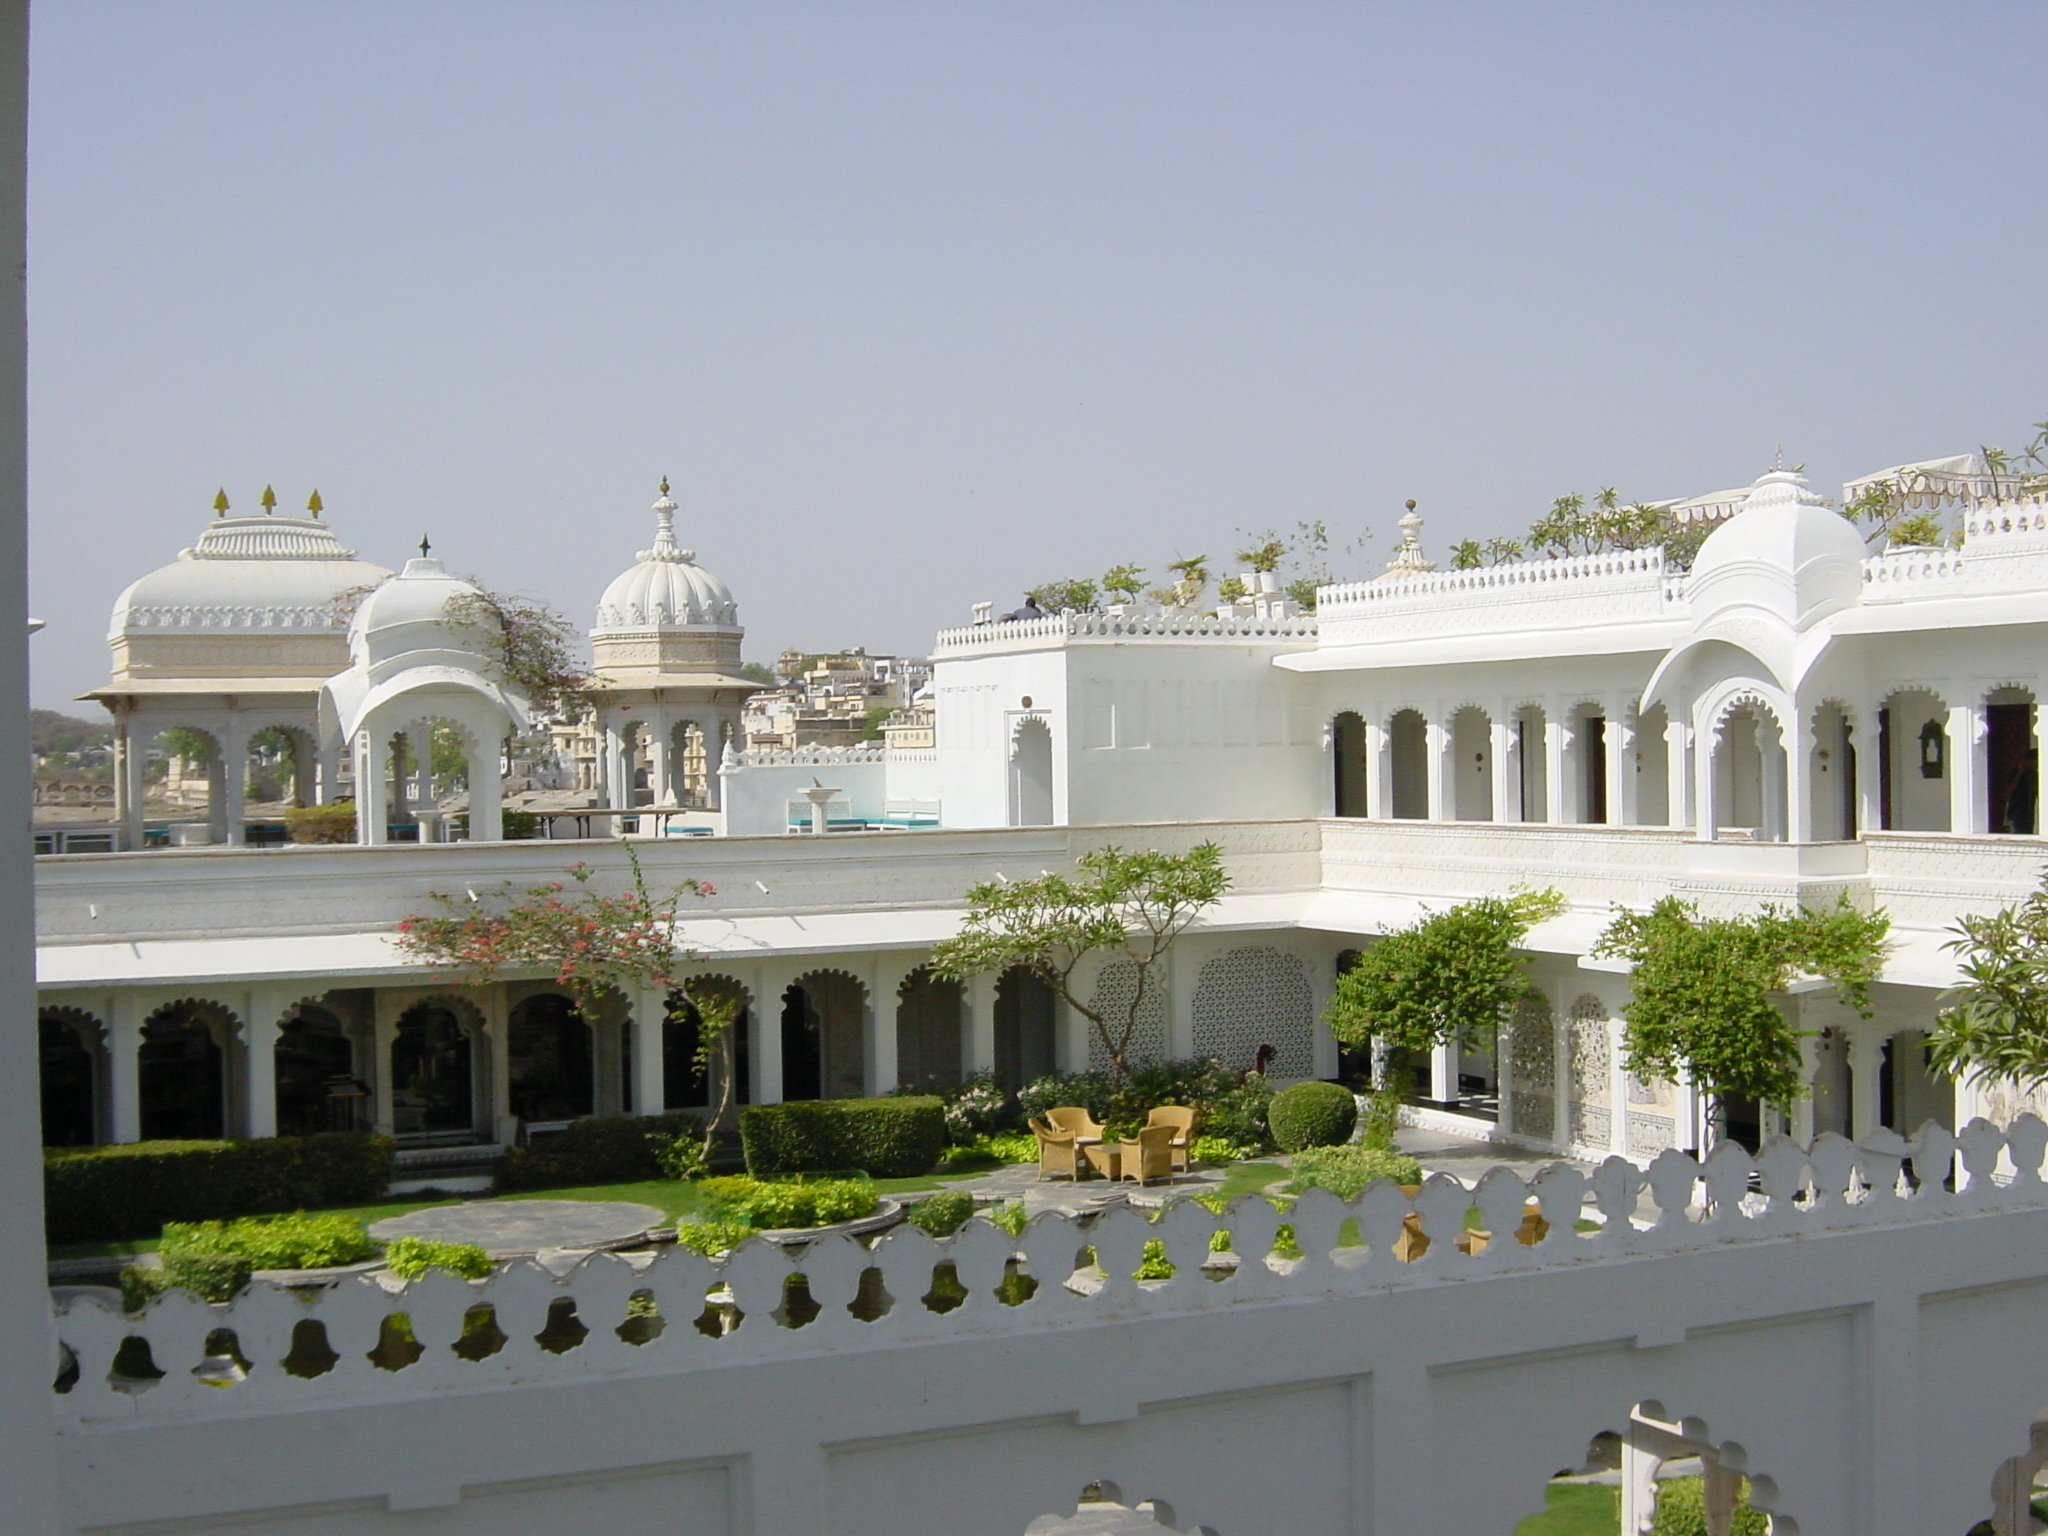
(505, 1228)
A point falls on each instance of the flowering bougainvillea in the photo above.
(590, 942)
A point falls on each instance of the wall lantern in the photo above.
(1933, 745)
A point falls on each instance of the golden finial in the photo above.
(313, 504)
(220, 502)
(664, 485)
(269, 500)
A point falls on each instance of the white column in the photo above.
(234, 780)
(1561, 1071)
(776, 978)
(217, 795)
(491, 1059)
(1379, 763)
(1685, 1114)
(883, 1064)
(129, 750)
(417, 788)
(1788, 784)
(1869, 771)
(327, 755)
(1707, 785)
(714, 757)
(1556, 806)
(372, 811)
(125, 1014)
(1678, 770)
(1866, 1062)
(1617, 1091)
(1443, 1073)
(618, 782)
(1436, 746)
(650, 1079)
(267, 1004)
(660, 758)
(1507, 770)
(1965, 769)
(486, 794)
(1622, 799)
(978, 1032)
(386, 1004)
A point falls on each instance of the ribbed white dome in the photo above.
(248, 575)
(408, 615)
(665, 589)
(1786, 552)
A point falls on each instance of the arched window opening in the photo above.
(70, 1079)
(1831, 776)
(1909, 1092)
(548, 1060)
(317, 1087)
(824, 1037)
(1587, 768)
(928, 1032)
(1472, 765)
(2012, 777)
(432, 1091)
(684, 1085)
(1749, 776)
(1025, 1030)
(179, 1069)
(1913, 748)
(1031, 775)
(1347, 760)
(1408, 765)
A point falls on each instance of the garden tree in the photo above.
(1124, 583)
(1995, 1023)
(1703, 989)
(1076, 594)
(1302, 558)
(183, 741)
(532, 646)
(590, 944)
(1121, 907)
(1191, 577)
(1451, 977)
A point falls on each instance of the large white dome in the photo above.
(665, 589)
(248, 575)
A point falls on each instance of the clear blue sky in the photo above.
(923, 303)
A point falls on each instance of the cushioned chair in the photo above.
(1058, 1150)
(1182, 1119)
(1075, 1122)
(1150, 1156)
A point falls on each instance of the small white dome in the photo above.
(248, 575)
(408, 615)
(665, 589)
(1787, 552)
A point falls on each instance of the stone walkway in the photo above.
(505, 1228)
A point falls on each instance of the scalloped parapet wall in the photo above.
(1057, 629)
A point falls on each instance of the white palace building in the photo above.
(1793, 718)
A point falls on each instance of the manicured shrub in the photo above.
(1344, 1171)
(712, 1237)
(520, 826)
(766, 1205)
(94, 1194)
(297, 1241)
(883, 1138)
(1312, 1115)
(1682, 1510)
(1215, 1149)
(209, 1276)
(942, 1214)
(603, 1149)
(332, 823)
(411, 1257)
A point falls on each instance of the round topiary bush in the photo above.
(1312, 1115)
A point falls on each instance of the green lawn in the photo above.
(1576, 1509)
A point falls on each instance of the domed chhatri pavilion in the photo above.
(666, 653)
(416, 661)
(233, 639)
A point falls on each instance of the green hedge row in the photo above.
(883, 1138)
(604, 1149)
(99, 1194)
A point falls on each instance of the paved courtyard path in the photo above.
(504, 1228)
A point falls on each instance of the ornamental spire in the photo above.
(269, 500)
(314, 505)
(665, 546)
(220, 502)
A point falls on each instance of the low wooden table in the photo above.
(1105, 1158)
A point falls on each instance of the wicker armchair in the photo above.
(1150, 1156)
(1075, 1121)
(1058, 1150)
(1182, 1120)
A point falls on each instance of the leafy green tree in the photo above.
(1125, 583)
(1121, 907)
(532, 646)
(1704, 989)
(1451, 977)
(1467, 555)
(183, 741)
(1995, 1023)
(872, 721)
(1076, 594)
(755, 672)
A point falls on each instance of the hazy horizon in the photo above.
(919, 305)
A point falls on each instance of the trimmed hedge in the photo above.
(604, 1149)
(1312, 1115)
(98, 1194)
(883, 1138)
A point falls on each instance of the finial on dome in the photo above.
(1409, 559)
(269, 501)
(665, 547)
(425, 547)
(220, 502)
(1778, 462)
(314, 505)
